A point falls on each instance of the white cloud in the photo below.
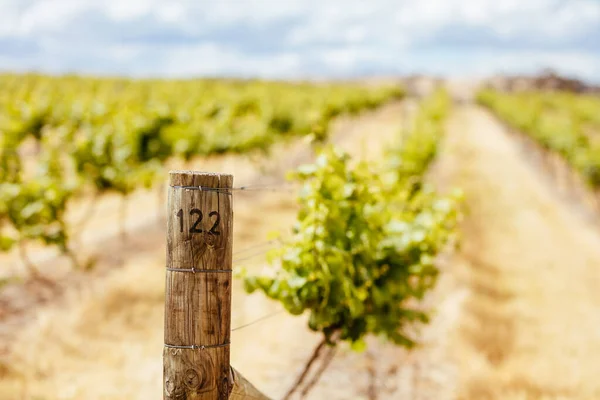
(283, 38)
(210, 59)
(47, 16)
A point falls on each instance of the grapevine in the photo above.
(362, 252)
(114, 135)
(564, 123)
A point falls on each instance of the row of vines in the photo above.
(565, 123)
(362, 254)
(66, 137)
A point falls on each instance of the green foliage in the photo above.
(420, 146)
(113, 135)
(565, 123)
(361, 255)
(35, 209)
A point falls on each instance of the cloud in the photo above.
(300, 38)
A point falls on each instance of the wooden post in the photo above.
(198, 287)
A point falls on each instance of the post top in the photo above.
(198, 178)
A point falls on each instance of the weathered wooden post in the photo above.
(198, 287)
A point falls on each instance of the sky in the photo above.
(301, 38)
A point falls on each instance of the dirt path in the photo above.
(103, 338)
(530, 264)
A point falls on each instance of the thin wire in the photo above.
(261, 248)
(196, 270)
(264, 317)
(196, 346)
(267, 188)
(258, 253)
(256, 246)
(204, 189)
(247, 188)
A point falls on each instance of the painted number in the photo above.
(214, 230)
(196, 227)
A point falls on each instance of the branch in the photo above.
(327, 358)
(315, 355)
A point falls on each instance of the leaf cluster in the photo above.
(362, 253)
(93, 135)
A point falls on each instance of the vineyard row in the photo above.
(61, 137)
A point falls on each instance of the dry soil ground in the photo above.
(517, 305)
(530, 324)
(101, 336)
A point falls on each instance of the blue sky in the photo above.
(300, 38)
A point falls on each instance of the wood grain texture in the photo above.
(244, 390)
(198, 304)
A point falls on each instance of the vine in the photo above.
(362, 253)
(564, 123)
(114, 135)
